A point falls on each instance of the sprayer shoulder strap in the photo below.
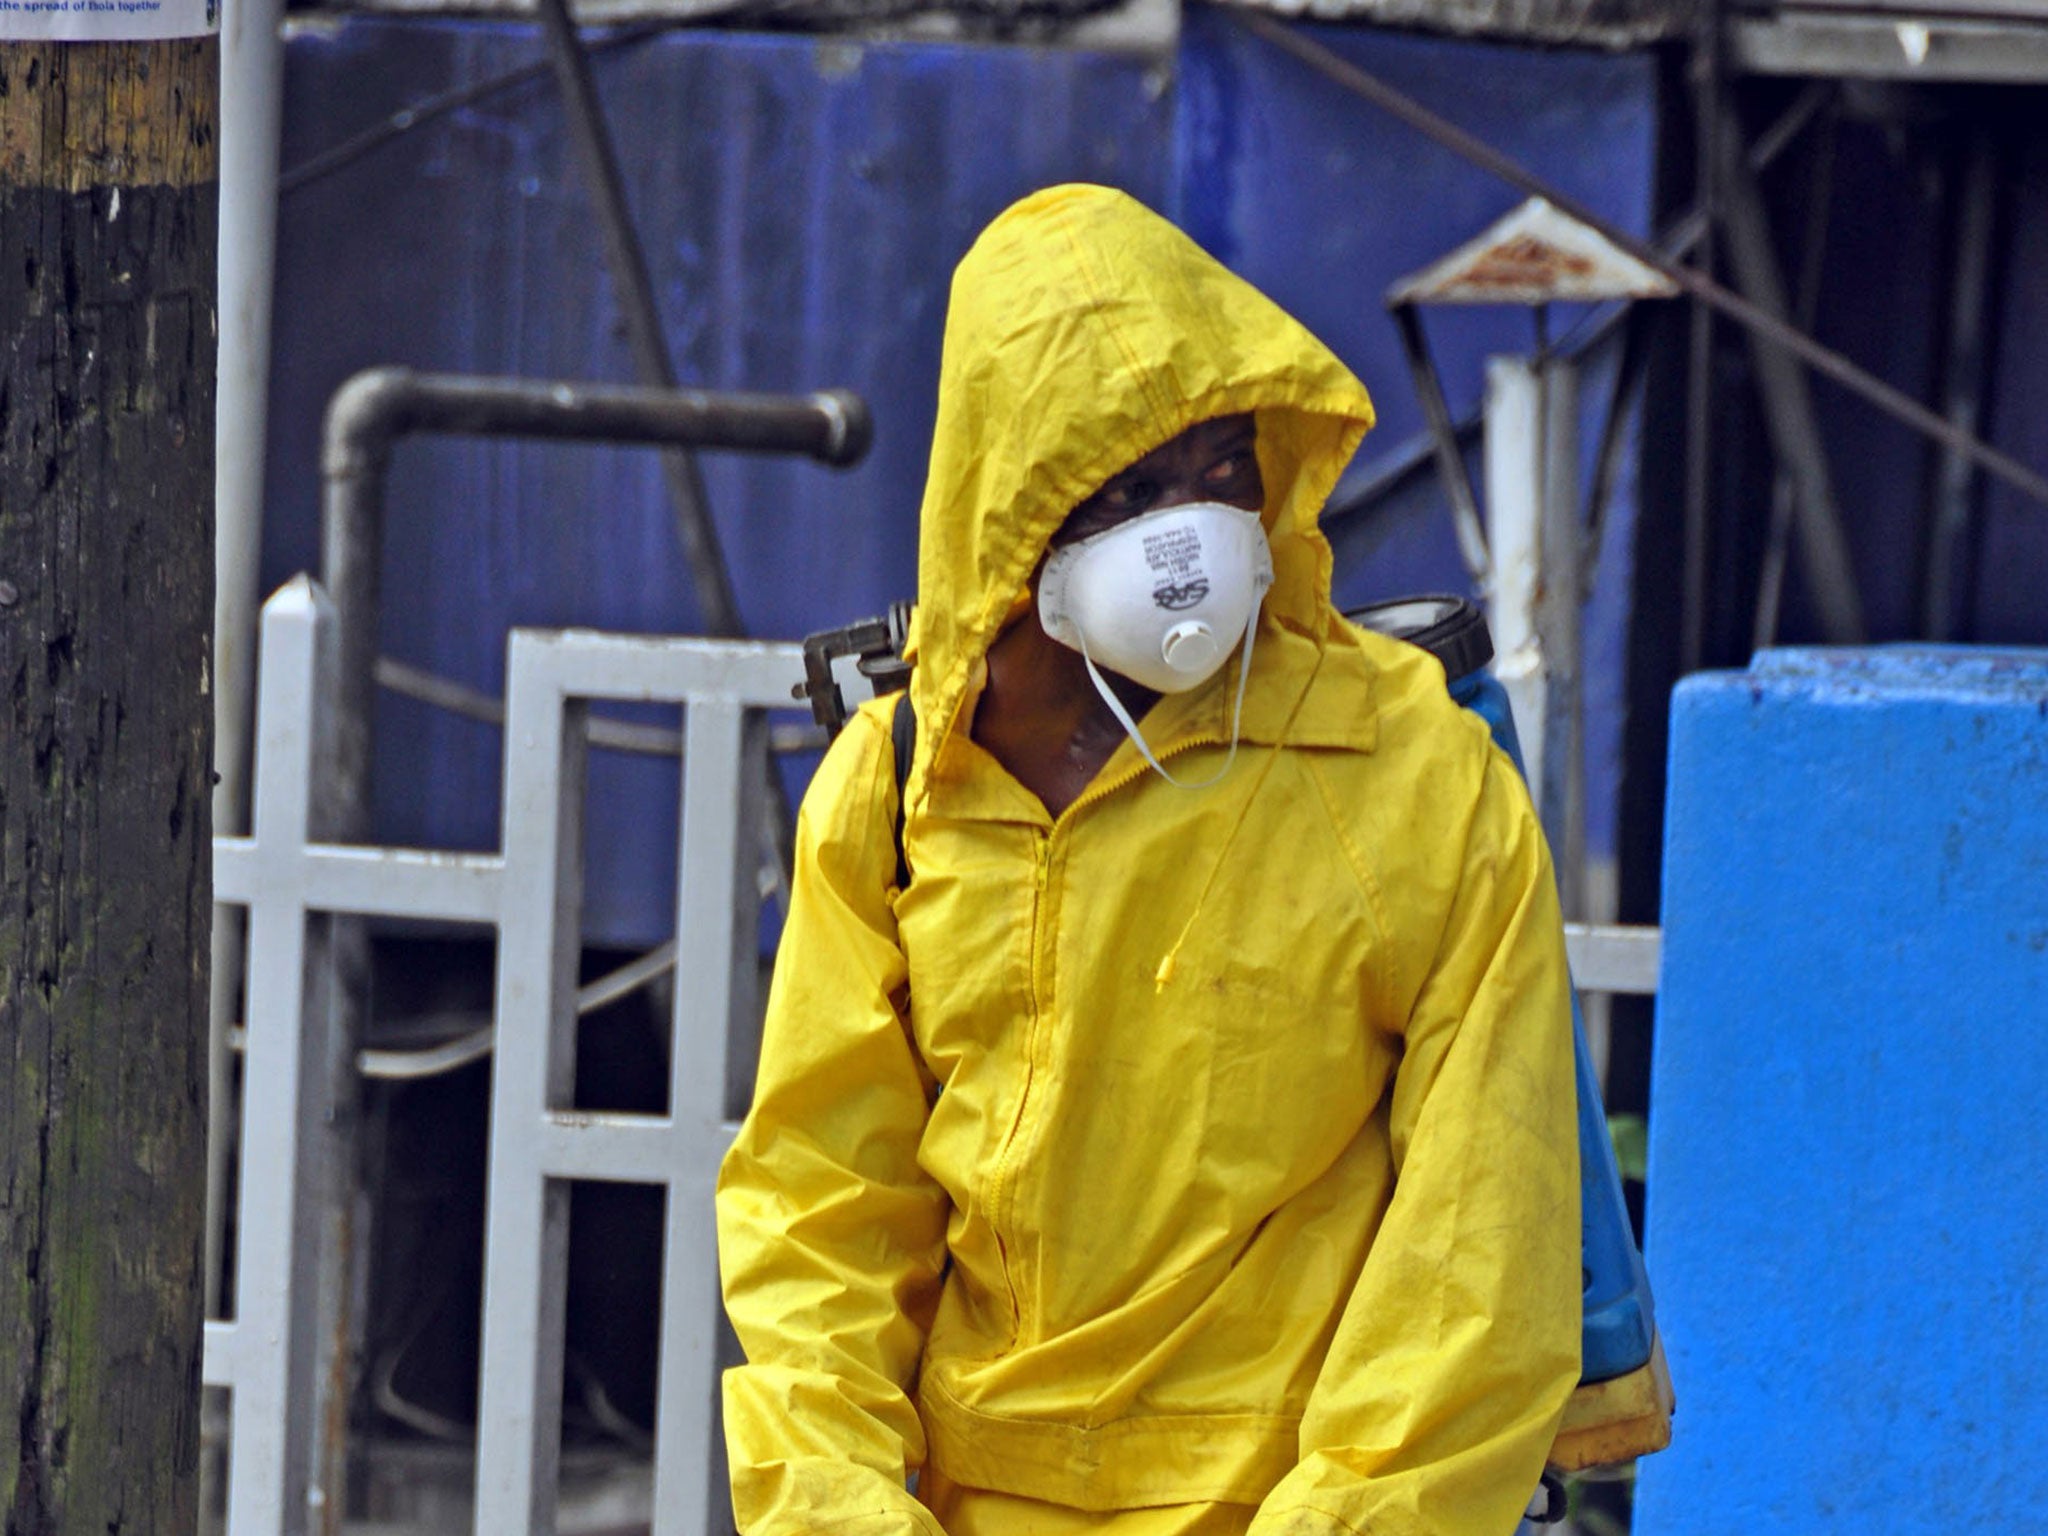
(903, 738)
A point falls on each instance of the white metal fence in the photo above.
(531, 893)
(270, 1356)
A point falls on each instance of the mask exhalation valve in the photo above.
(1190, 647)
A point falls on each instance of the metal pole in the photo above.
(1788, 402)
(1812, 257)
(1560, 604)
(251, 103)
(1515, 486)
(1537, 540)
(1963, 378)
(1450, 455)
(719, 609)
(1705, 64)
(1628, 378)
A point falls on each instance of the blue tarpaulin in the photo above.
(803, 201)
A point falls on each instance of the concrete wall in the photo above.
(1847, 1150)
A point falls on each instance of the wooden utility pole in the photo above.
(107, 321)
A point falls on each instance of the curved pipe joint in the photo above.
(364, 417)
(379, 405)
(852, 427)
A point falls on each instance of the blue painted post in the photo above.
(1848, 1146)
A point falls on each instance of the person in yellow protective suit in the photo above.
(1171, 1156)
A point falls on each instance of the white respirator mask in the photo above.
(1161, 599)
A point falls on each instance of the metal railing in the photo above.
(269, 1355)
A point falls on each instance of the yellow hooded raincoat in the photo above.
(1197, 1145)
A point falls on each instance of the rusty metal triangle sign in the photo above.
(1534, 255)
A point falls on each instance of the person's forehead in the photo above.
(1216, 431)
(1187, 456)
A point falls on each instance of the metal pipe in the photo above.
(1704, 67)
(252, 96)
(476, 1041)
(251, 108)
(376, 408)
(1742, 311)
(1789, 416)
(1450, 456)
(612, 735)
(1770, 591)
(1534, 605)
(718, 608)
(1560, 620)
(1628, 375)
(369, 414)
(1964, 368)
(1770, 581)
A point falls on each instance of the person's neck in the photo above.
(1041, 718)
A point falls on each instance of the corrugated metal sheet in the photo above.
(1958, 10)
(1613, 24)
(2002, 43)
(1609, 24)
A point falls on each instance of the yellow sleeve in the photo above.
(1449, 1370)
(831, 1239)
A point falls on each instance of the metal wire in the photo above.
(420, 113)
(475, 1044)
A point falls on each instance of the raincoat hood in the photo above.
(1084, 331)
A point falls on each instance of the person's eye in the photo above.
(1231, 467)
(1125, 495)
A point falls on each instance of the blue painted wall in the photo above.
(803, 202)
(1846, 1143)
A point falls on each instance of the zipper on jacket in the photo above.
(1102, 790)
(1002, 1201)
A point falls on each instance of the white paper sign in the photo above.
(106, 21)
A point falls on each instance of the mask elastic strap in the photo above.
(1123, 716)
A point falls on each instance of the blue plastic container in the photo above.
(1619, 1317)
(1620, 1325)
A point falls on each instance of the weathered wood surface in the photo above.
(107, 310)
